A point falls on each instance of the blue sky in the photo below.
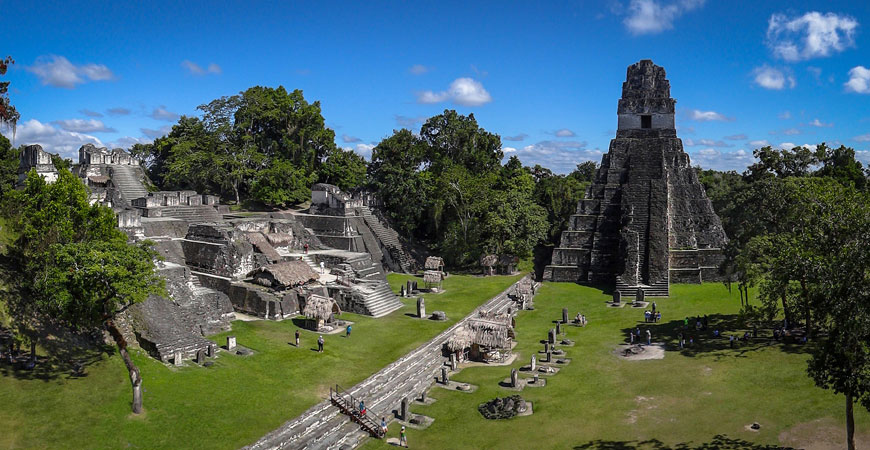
(546, 76)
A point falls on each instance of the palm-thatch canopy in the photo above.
(279, 239)
(488, 260)
(432, 277)
(286, 274)
(485, 330)
(434, 263)
(320, 307)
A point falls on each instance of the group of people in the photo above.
(636, 335)
(700, 323)
(652, 316)
(319, 340)
(580, 319)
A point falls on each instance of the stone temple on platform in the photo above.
(645, 220)
(218, 265)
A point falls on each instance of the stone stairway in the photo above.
(310, 261)
(324, 427)
(389, 238)
(202, 213)
(127, 182)
(378, 297)
(658, 289)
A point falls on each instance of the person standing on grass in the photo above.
(631, 337)
(654, 307)
(403, 439)
(320, 344)
(648, 337)
(322, 267)
(297, 338)
(347, 332)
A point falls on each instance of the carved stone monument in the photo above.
(177, 359)
(551, 336)
(514, 380)
(421, 307)
(231, 342)
(645, 220)
(403, 409)
(533, 363)
(200, 357)
(444, 378)
(564, 315)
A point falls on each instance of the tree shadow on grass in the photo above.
(705, 343)
(718, 442)
(67, 356)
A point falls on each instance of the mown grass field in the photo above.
(682, 401)
(230, 404)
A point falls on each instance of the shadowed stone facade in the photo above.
(645, 220)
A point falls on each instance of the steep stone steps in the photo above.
(124, 178)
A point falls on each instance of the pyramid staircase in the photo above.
(127, 181)
(389, 238)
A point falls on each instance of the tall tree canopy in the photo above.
(447, 188)
(264, 144)
(8, 114)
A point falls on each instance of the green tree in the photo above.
(456, 139)
(9, 161)
(343, 168)
(841, 165)
(282, 184)
(405, 190)
(8, 114)
(71, 266)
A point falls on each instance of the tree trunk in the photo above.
(236, 191)
(850, 424)
(33, 349)
(785, 309)
(135, 376)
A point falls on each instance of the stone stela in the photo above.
(645, 220)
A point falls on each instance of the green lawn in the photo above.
(601, 401)
(232, 403)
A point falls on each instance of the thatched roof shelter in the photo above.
(279, 239)
(485, 330)
(432, 277)
(286, 274)
(434, 263)
(320, 307)
(488, 260)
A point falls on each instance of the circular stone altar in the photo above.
(504, 408)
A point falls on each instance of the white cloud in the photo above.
(160, 113)
(507, 150)
(759, 143)
(773, 78)
(820, 124)
(785, 115)
(90, 113)
(651, 16)
(811, 35)
(736, 137)
(706, 143)
(462, 91)
(195, 69)
(154, 134)
(84, 126)
(791, 131)
(349, 139)
(52, 140)
(408, 122)
(564, 132)
(559, 156)
(859, 80)
(517, 138)
(118, 111)
(787, 145)
(419, 69)
(862, 138)
(58, 71)
(706, 116)
(127, 142)
(364, 150)
(710, 158)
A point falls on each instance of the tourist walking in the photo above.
(320, 344)
(631, 338)
(648, 337)
(654, 307)
(322, 266)
(347, 332)
(297, 338)
(306, 249)
(362, 408)
(403, 439)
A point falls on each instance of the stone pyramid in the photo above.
(645, 220)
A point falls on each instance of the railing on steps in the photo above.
(349, 406)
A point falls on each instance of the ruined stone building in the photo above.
(217, 264)
(645, 220)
